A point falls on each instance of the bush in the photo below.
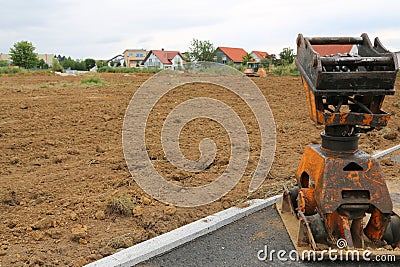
(10, 70)
(240, 68)
(92, 81)
(3, 63)
(286, 70)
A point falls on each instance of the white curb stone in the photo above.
(168, 241)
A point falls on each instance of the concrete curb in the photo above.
(168, 241)
(385, 152)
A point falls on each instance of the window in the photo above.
(224, 60)
(130, 54)
(139, 55)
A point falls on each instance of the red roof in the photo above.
(165, 57)
(235, 54)
(260, 54)
(324, 50)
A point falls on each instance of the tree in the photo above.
(42, 64)
(68, 63)
(56, 66)
(246, 58)
(201, 50)
(23, 55)
(101, 63)
(287, 56)
(90, 63)
(187, 56)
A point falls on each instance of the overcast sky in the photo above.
(102, 29)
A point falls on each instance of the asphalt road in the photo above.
(240, 243)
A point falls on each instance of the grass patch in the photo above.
(120, 204)
(123, 241)
(92, 81)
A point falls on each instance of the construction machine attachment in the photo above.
(341, 193)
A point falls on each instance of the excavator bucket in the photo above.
(342, 202)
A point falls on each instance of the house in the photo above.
(225, 55)
(6, 57)
(259, 55)
(116, 61)
(134, 57)
(163, 59)
(325, 50)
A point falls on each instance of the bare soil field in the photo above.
(66, 195)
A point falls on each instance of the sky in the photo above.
(103, 29)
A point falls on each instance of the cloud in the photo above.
(102, 29)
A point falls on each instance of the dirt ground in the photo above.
(66, 195)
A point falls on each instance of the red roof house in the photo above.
(227, 54)
(325, 50)
(259, 55)
(163, 59)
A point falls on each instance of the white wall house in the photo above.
(163, 59)
(258, 55)
(152, 61)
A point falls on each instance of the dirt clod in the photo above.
(73, 216)
(3, 252)
(78, 232)
(100, 215)
(137, 211)
(42, 224)
(390, 136)
(37, 235)
(169, 210)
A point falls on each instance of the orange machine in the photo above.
(341, 192)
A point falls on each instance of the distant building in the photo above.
(5, 57)
(259, 55)
(163, 59)
(225, 55)
(326, 50)
(116, 61)
(48, 58)
(134, 57)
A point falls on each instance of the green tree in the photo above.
(246, 58)
(101, 63)
(266, 62)
(201, 50)
(187, 56)
(68, 63)
(56, 66)
(23, 55)
(42, 64)
(89, 63)
(287, 55)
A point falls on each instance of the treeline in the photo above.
(69, 63)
